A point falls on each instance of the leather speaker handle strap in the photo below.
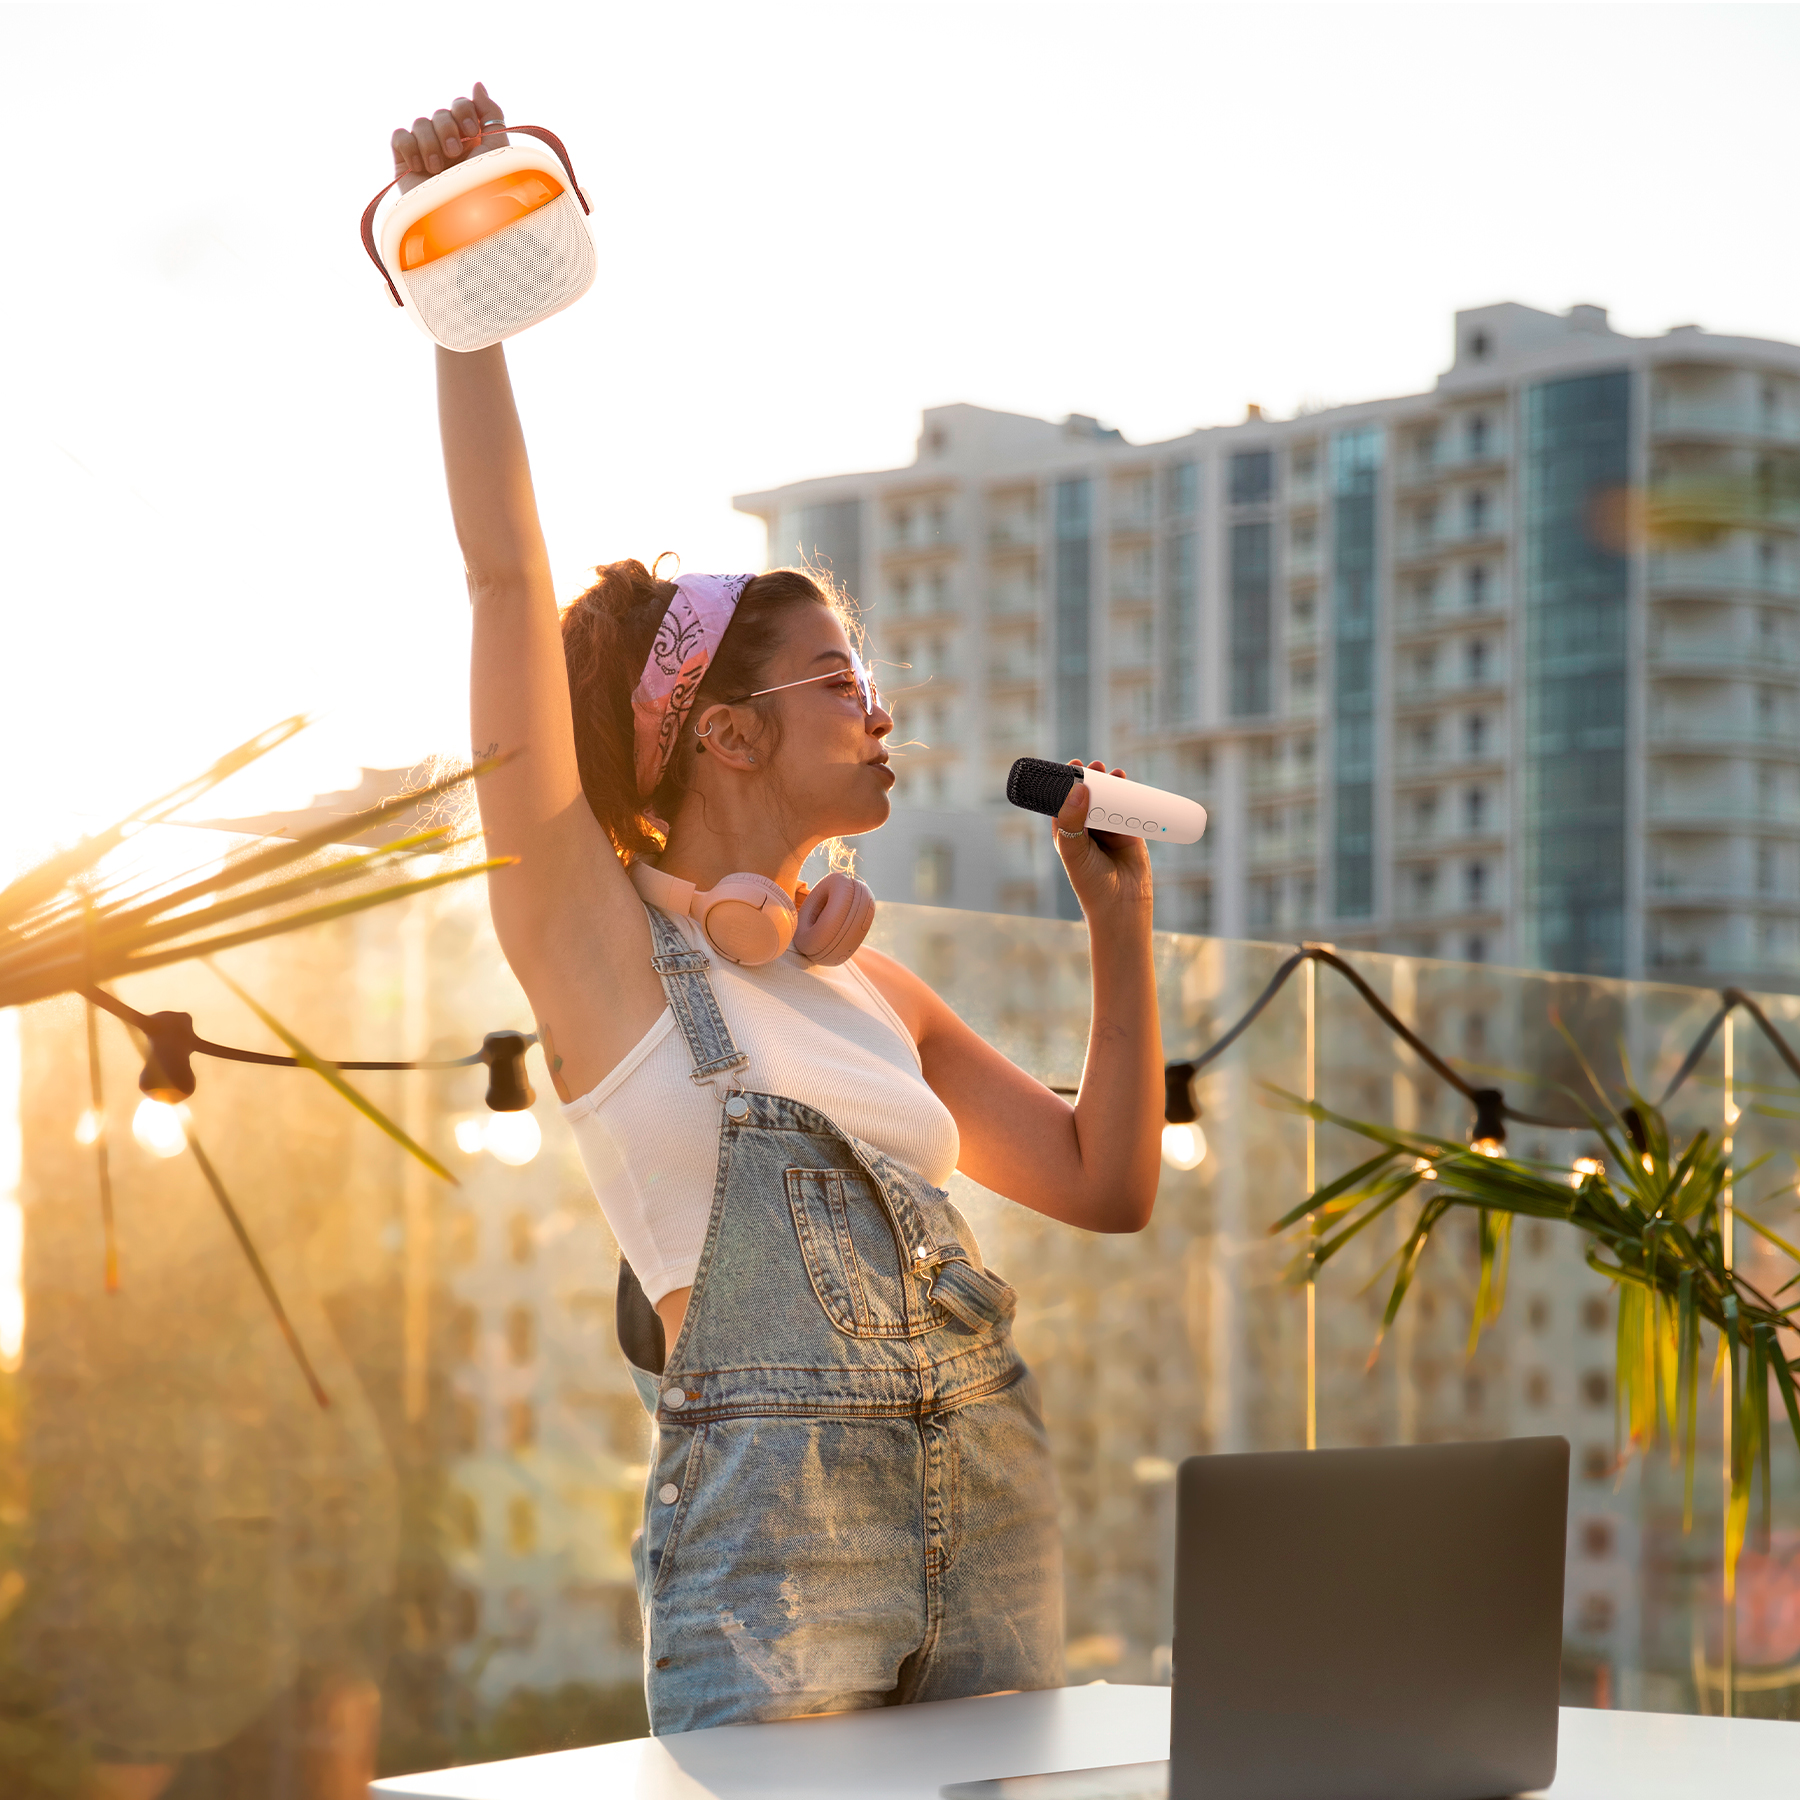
(368, 238)
(540, 132)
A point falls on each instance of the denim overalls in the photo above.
(850, 1500)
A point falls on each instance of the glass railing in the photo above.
(210, 1579)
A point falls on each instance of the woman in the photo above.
(850, 1501)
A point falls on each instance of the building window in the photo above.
(1475, 660)
(1475, 734)
(1596, 1462)
(1477, 435)
(1596, 1387)
(1356, 458)
(1572, 837)
(464, 1328)
(1537, 1314)
(1475, 949)
(1475, 512)
(521, 1240)
(1250, 625)
(1424, 886)
(521, 1334)
(1596, 1315)
(1537, 1388)
(459, 1233)
(1252, 477)
(934, 873)
(1475, 586)
(1475, 886)
(521, 1425)
(521, 1527)
(464, 1520)
(465, 1425)
(1597, 1539)
(1074, 578)
(1475, 810)
(1597, 1614)
(1184, 489)
(1479, 345)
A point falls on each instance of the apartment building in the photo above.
(1504, 671)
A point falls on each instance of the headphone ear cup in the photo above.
(834, 920)
(747, 919)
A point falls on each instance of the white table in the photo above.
(909, 1752)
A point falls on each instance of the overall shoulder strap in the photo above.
(687, 981)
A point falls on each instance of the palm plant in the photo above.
(76, 920)
(1657, 1218)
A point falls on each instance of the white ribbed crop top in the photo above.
(649, 1136)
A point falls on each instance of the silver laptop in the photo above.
(1356, 1625)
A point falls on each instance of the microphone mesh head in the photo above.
(1039, 786)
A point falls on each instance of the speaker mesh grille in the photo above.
(476, 296)
(1040, 786)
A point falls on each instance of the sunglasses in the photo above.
(866, 690)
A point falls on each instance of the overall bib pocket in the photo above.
(851, 1256)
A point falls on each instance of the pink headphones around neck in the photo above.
(749, 920)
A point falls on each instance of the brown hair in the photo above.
(607, 633)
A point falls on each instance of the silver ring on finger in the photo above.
(1071, 834)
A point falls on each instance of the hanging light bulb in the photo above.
(89, 1126)
(1585, 1166)
(1183, 1142)
(168, 1073)
(513, 1138)
(1487, 1136)
(1184, 1146)
(471, 1136)
(504, 1053)
(159, 1128)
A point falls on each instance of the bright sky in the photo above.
(220, 478)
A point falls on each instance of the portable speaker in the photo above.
(488, 247)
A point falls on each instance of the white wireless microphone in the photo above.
(1126, 807)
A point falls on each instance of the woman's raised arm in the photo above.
(566, 910)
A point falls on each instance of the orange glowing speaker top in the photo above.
(477, 213)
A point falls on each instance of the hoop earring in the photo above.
(703, 734)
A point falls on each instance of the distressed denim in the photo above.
(850, 1500)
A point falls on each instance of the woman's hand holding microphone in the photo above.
(1109, 872)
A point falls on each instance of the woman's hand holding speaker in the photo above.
(451, 135)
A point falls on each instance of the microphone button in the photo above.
(1151, 825)
(1135, 824)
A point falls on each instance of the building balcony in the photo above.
(1745, 735)
(1435, 546)
(1721, 571)
(1425, 472)
(1691, 815)
(1412, 695)
(1723, 656)
(1012, 534)
(1677, 419)
(918, 549)
(1668, 891)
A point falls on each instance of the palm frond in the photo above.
(1653, 1219)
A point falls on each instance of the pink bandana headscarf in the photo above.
(686, 642)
